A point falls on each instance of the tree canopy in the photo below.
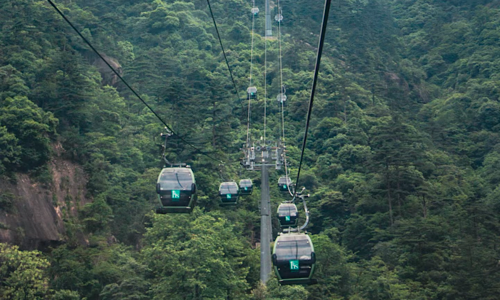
(401, 162)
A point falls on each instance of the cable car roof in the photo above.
(293, 237)
(228, 188)
(175, 174)
(176, 170)
(251, 89)
(287, 206)
(281, 97)
(293, 246)
(284, 179)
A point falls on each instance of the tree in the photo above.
(197, 257)
(31, 127)
(22, 274)
(9, 149)
(395, 145)
(333, 271)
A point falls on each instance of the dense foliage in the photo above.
(401, 162)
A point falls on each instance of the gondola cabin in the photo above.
(252, 92)
(176, 189)
(229, 193)
(255, 11)
(281, 97)
(294, 259)
(288, 215)
(284, 183)
(246, 187)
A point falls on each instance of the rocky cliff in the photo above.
(32, 215)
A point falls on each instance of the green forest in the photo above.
(400, 163)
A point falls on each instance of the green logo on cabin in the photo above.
(246, 188)
(176, 194)
(228, 196)
(287, 218)
(294, 265)
(284, 186)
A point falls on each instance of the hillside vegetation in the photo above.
(402, 161)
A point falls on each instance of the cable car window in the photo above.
(229, 188)
(292, 250)
(175, 181)
(245, 182)
(287, 210)
(284, 180)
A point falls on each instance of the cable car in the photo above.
(252, 92)
(283, 183)
(278, 18)
(294, 259)
(255, 11)
(176, 189)
(281, 97)
(246, 187)
(229, 193)
(288, 214)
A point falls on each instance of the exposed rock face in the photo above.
(108, 76)
(35, 219)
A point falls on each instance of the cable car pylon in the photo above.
(266, 233)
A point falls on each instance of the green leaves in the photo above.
(22, 274)
(197, 256)
(24, 131)
(402, 162)
(9, 149)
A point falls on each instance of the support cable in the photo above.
(222, 47)
(265, 82)
(281, 77)
(280, 58)
(126, 83)
(265, 90)
(251, 69)
(324, 24)
(282, 92)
